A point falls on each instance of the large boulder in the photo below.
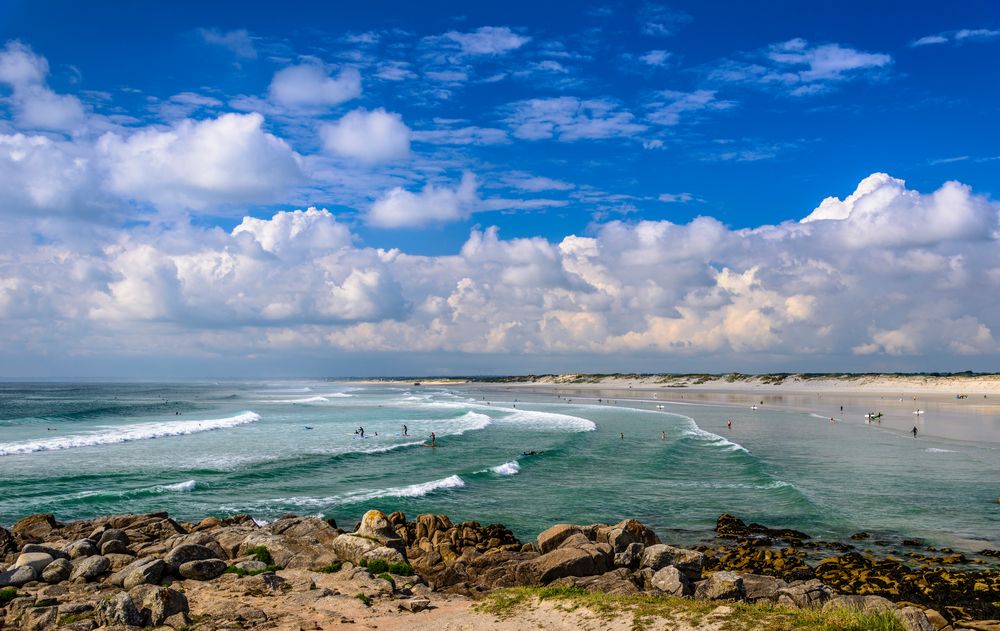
(159, 605)
(384, 553)
(147, 570)
(352, 548)
(759, 587)
(114, 534)
(58, 571)
(37, 561)
(721, 586)
(553, 537)
(556, 564)
(34, 528)
(805, 594)
(203, 569)
(625, 532)
(18, 576)
(185, 553)
(37, 547)
(7, 542)
(120, 610)
(690, 562)
(38, 618)
(90, 568)
(81, 548)
(914, 619)
(867, 604)
(618, 582)
(375, 525)
(671, 581)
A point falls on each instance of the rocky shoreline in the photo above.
(136, 571)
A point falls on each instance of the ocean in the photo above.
(267, 449)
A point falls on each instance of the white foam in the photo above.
(543, 420)
(508, 468)
(354, 497)
(339, 395)
(127, 433)
(935, 450)
(301, 400)
(180, 487)
(713, 439)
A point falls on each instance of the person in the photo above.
(663, 435)
(433, 440)
(914, 430)
(361, 432)
(841, 408)
(621, 435)
(405, 431)
(729, 423)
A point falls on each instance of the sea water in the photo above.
(267, 449)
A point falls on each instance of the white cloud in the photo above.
(671, 105)
(535, 183)
(671, 198)
(655, 58)
(930, 40)
(400, 208)
(958, 37)
(297, 233)
(197, 165)
(35, 105)
(660, 20)
(238, 41)
(370, 137)
(568, 119)
(470, 135)
(310, 85)
(488, 40)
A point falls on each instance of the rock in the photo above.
(352, 548)
(7, 542)
(37, 547)
(147, 570)
(413, 605)
(114, 546)
(113, 534)
(157, 604)
(375, 525)
(867, 604)
(556, 564)
(18, 576)
(81, 548)
(384, 553)
(619, 582)
(631, 557)
(658, 556)
(936, 619)
(57, 571)
(671, 581)
(252, 566)
(37, 561)
(721, 586)
(758, 587)
(914, 619)
(120, 610)
(90, 568)
(811, 593)
(728, 526)
(38, 618)
(553, 537)
(202, 569)
(627, 531)
(182, 554)
(34, 528)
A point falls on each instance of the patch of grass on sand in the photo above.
(7, 594)
(645, 609)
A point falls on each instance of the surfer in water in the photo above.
(361, 432)
(621, 435)
(433, 440)
(729, 424)
(914, 430)
(663, 435)
(405, 431)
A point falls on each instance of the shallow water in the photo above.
(220, 448)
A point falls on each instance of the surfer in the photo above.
(405, 431)
(914, 430)
(729, 423)
(663, 435)
(361, 432)
(433, 439)
(621, 435)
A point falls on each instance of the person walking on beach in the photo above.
(914, 430)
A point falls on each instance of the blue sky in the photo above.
(515, 157)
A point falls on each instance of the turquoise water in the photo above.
(220, 448)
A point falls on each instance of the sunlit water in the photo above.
(216, 449)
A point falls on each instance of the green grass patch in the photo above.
(385, 576)
(7, 594)
(48, 602)
(76, 617)
(238, 571)
(366, 600)
(332, 568)
(377, 566)
(261, 553)
(644, 609)
(401, 569)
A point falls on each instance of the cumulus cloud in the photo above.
(198, 164)
(400, 208)
(487, 40)
(35, 105)
(368, 136)
(310, 85)
(568, 119)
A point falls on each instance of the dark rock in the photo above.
(90, 568)
(556, 564)
(39, 618)
(631, 557)
(34, 528)
(553, 537)
(157, 604)
(860, 536)
(17, 576)
(52, 552)
(7, 542)
(81, 548)
(187, 552)
(147, 570)
(203, 569)
(57, 571)
(114, 546)
(671, 581)
(113, 534)
(626, 532)
(120, 610)
(661, 555)
(728, 526)
(721, 586)
(758, 587)
(619, 582)
(807, 594)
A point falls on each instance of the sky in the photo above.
(209, 190)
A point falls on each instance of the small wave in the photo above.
(413, 490)
(127, 433)
(339, 395)
(545, 420)
(508, 468)
(180, 487)
(935, 450)
(714, 439)
(301, 400)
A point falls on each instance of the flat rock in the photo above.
(352, 548)
(34, 528)
(861, 603)
(38, 618)
(202, 569)
(37, 547)
(147, 570)
(187, 552)
(81, 548)
(113, 534)
(413, 605)
(90, 568)
(619, 582)
(556, 564)
(552, 538)
(18, 576)
(760, 587)
(114, 546)
(657, 556)
(35, 560)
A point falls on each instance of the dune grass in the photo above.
(644, 610)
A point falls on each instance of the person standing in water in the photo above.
(663, 435)
(405, 431)
(729, 423)
(914, 430)
(361, 431)
(433, 440)
(621, 435)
